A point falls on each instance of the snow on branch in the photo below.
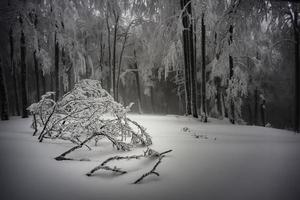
(149, 153)
(87, 113)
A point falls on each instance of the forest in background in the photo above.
(206, 58)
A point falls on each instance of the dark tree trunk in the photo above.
(120, 62)
(186, 58)
(36, 72)
(256, 106)
(192, 64)
(56, 71)
(23, 76)
(250, 114)
(43, 81)
(36, 67)
(232, 116)
(114, 56)
(218, 95)
(3, 95)
(138, 84)
(109, 81)
(51, 81)
(152, 99)
(14, 73)
(203, 51)
(224, 106)
(297, 74)
(262, 112)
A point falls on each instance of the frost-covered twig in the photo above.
(42, 134)
(102, 165)
(115, 169)
(152, 171)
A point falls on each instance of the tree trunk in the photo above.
(218, 95)
(192, 64)
(3, 95)
(250, 114)
(23, 76)
(256, 106)
(36, 67)
(120, 62)
(297, 74)
(114, 55)
(56, 71)
(232, 116)
(203, 51)
(262, 112)
(36, 72)
(138, 84)
(43, 81)
(186, 58)
(14, 72)
(109, 83)
(152, 99)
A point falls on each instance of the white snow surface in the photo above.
(234, 162)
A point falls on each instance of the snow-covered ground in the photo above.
(214, 161)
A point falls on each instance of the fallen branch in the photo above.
(62, 156)
(115, 169)
(152, 171)
(114, 158)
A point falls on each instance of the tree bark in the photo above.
(120, 61)
(3, 95)
(109, 54)
(36, 72)
(23, 76)
(56, 71)
(36, 67)
(192, 64)
(203, 51)
(232, 116)
(138, 85)
(256, 106)
(262, 112)
(43, 81)
(114, 55)
(14, 73)
(297, 74)
(186, 58)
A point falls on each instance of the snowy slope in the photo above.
(224, 162)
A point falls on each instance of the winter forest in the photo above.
(149, 99)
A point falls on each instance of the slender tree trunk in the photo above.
(14, 72)
(3, 95)
(224, 106)
(152, 99)
(138, 85)
(262, 112)
(203, 51)
(114, 55)
(43, 82)
(120, 62)
(36, 72)
(256, 106)
(109, 83)
(232, 117)
(250, 114)
(101, 56)
(56, 71)
(218, 96)
(192, 64)
(23, 76)
(186, 58)
(36, 67)
(297, 74)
